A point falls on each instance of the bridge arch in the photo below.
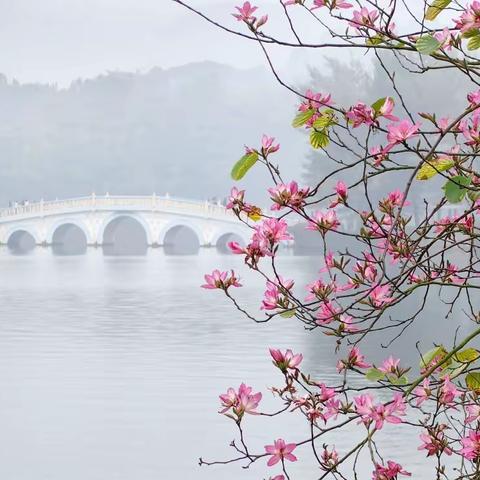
(21, 240)
(70, 221)
(221, 239)
(113, 234)
(69, 238)
(182, 237)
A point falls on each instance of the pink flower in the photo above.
(379, 296)
(278, 477)
(400, 132)
(394, 199)
(379, 154)
(387, 108)
(470, 18)
(280, 451)
(423, 393)
(328, 459)
(448, 392)
(235, 198)
(286, 361)
(327, 312)
(268, 146)
(473, 413)
(390, 365)
(471, 446)
(354, 360)
(342, 192)
(390, 472)
(364, 18)
(319, 290)
(445, 38)
(221, 280)
(331, 4)
(274, 296)
(324, 221)
(236, 248)
(474, 98)
(314, 101)
(271, 232)
(347, 324)
(443, 123)
(241, 401)
(329, 262)
(380, 413)
(434, 441)
(288, 195)
(245, 13)
(361, 114)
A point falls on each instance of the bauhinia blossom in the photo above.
(471, 446)
(364, 18)
(275, 295)
(470, 18)
(286, 361)
(448, 392)
(331, 4)
(380, 413)
(280, 451)
(324, 221)
(434, 441)
(241, 401)
(390, 365)
(268, 145)
(423, 392)
(390, 472)
(290, 195)
(221, 280)
(245, 14)
(354, 360)
(342, 193)
(400, 132)
(379, 296)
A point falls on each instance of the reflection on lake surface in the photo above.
(111, 367)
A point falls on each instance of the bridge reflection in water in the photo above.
(120, 225)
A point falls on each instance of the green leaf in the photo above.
(303, 117)
(470, 33)
(325, 120)
(435, 9)
(374, 375)
(468, 355)
(378, 104)
(394, 380)
(288, 313)
(474, 42)
(473, 381)
(454, 188)
(427, 44)
(473, 196)
(428, 357)
(319, 139)
(454, 369)
(244, 165)
(430, 169)
(375, 40)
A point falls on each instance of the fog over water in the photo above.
(112, 358)
(111, 367)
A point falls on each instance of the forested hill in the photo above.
(176, 131)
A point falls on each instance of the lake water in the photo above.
(110, 368)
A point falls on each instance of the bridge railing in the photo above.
(149, 203)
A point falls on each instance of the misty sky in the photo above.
(57, 41)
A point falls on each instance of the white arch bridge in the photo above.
(100, 221)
